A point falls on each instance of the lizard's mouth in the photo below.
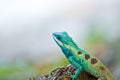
(60, 43)
(57, 41)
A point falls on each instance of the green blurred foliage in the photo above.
(95, 41)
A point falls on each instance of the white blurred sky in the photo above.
(26, 26)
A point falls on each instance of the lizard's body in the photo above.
(81, 59)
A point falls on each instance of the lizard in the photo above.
(80, 58)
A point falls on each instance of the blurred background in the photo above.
(27, 48)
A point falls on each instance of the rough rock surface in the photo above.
(63, 73)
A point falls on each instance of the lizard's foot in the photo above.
(73, 77)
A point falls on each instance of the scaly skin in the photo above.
(81, 59)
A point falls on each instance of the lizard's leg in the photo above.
(76, 74)
(79, 68)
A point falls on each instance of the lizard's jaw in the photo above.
(57, 41)
(64, 46)
(61, 44)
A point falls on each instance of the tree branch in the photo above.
(63, 73)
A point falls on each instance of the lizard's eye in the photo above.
(58, 37)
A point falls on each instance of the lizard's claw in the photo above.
(70, 75)
(73, 77)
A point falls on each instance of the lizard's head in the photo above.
(65, 42)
